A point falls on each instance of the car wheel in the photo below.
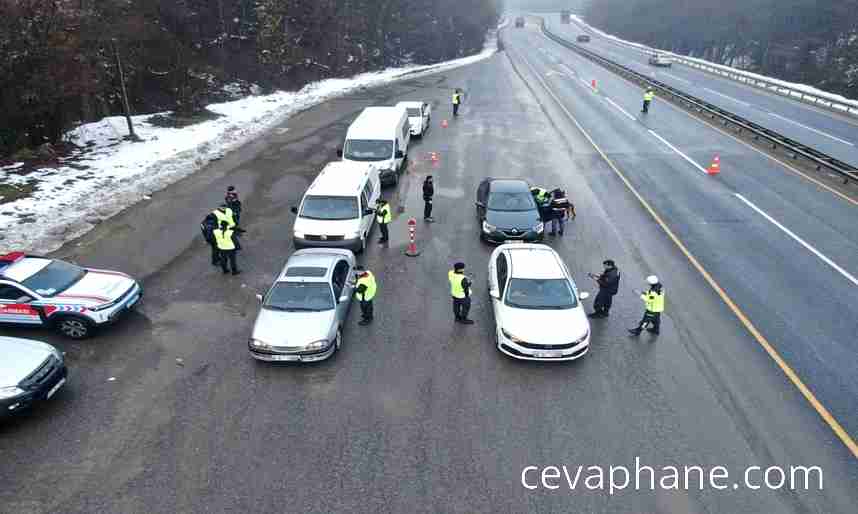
(74, 327)
(338, 341)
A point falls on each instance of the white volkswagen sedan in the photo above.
(537, 308)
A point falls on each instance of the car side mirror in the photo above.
(294, 210)
(339, 152)
(583, 295)
(259, 297)
(399, 154)
(367, 212)
(494, 294)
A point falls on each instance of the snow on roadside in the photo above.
(113, 174)
(782, 83)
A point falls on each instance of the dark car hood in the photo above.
(522, 220)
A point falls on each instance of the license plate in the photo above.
(545, 355)
(56, 386)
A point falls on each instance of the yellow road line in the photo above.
(838, 429)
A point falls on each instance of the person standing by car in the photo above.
(457, 100)
(383, 217)
(365, 291)
(647, 99)
(231, 201)
(542, 198)
(561, 210)
(460, 290)
(653, 305)
(428, 193)
(228, 246)
(609, 285)
(207, 227)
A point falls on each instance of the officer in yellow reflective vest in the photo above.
(648, 96)
(457, 100)
(224, 214)
(653, 305)
(227, 245)
(365, 289)
(383, 217)
(460, 290)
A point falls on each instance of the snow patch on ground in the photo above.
(112, 174)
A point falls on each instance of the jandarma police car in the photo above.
(74, 300)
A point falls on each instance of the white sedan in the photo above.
(537, 307)
(419, 116)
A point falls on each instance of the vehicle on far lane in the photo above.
(419, 116)
(30, 372)
(537, 308)
(583, 38)
(302, 315)
(507, 211)
(660, 60)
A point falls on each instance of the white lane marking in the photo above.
(629, 116)
(674, 77)
(800, 241)
(811, 129)
(727, 97)
(687, 158)
(573, 72)
(586, 84)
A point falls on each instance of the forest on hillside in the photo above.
(813, 42)
(58, 58)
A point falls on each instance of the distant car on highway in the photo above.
(30, 372)
(583, 38)
(38, 291)
(537, 308)
(419, 116)
(302, 315)
(507, 211)
(519, 22)
(660, 60)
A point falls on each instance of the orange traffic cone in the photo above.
(433, 156)
(443, 123)
(715, 167)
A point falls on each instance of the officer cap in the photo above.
(231, 188)
(459, 266)
(652, 280)
(608, 262)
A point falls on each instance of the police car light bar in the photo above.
(12, 257)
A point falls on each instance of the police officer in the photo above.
(561, 210)
(224, 214)
(460, 290)
(208, 227)
(227, 245)
(609, 284)
(653, 305)
(232, 202)
(383, 217)
(428, 193)
(457, 100)
(542, 198)
(365, 291)
(647, 99)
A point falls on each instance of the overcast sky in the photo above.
(554, 5)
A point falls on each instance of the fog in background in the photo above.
(543, 5)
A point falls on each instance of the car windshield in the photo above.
(54, 278)
(540, 294)
(330, 208)
(300, 296)
(502, 201)
(414, 112)
(368, 149)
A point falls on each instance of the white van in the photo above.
(336, 210)
(379, 135)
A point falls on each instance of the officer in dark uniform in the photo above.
(428, 193)
(231, 200)
(609, 284)
(207, 227)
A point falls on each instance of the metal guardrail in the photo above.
(826, 102)
(819, 159)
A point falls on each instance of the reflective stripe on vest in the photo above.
(457, 290)
(371, 287)
(648, 96)
(224, 241)
(653, 302)
(224, 216)
(382, 214)
(456, 98)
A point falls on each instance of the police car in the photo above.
(39, 291)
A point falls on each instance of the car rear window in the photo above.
(306, 271)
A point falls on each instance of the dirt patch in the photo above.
(175, 120)
(10, 193)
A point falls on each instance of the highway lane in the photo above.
(826, 131)
(802, 303)
(416, 414)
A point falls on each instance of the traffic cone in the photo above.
(443, 123)
(715, 167)
(433, 156)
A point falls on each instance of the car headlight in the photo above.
(256, 343)
(510, 336)
(10, 392)
(103, 306)
(356, 234)
(582, 338)
(539, 227)
(299, 235)
(317, 345)
(487, 227)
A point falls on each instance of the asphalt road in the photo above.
(416, 413)
(828, 132)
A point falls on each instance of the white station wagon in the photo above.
(537, 308)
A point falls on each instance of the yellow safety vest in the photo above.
(653, 302)
(223, 238)
(457, 289)
(456, 99)
(648, 96)
(371, 287)
(225, 215)
(382, 214)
